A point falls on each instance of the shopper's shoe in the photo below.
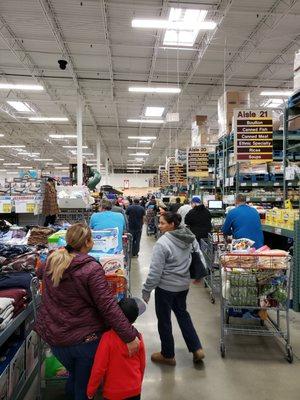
(160, 359)
(198, 356)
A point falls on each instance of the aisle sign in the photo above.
(253, 135)
(30, 207)
(198, 162)
(5, 206)
(181, 156)
(176, 173)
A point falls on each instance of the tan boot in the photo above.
(160, 359)
(198, 356)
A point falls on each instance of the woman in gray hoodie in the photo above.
(169, 275)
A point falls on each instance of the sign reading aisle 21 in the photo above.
(253, 135)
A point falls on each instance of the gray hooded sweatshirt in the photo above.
(171, 259)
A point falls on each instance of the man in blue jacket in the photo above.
(244, 222)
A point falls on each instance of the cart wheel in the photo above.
(289, 355)
(212, 298)
(222, 350)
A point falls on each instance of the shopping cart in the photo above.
(211, 248)
(258, 286)
(127, 249)
(151, 221)
(73, 216)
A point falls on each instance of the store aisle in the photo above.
(254, 367)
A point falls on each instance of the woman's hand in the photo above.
(146, 296)
(133, 347)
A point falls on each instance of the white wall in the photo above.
(135, 180)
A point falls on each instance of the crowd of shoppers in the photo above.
(79, 318)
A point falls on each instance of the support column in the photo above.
(106, 172)
(79, 142)
(98, 153)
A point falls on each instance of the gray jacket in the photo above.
(171, 259)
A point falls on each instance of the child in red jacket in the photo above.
(121, 374)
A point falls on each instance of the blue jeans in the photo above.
(78, 360)
(165, 302)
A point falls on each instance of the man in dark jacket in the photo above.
(198, 219)
(175, 206)
(135, 214)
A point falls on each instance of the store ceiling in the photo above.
(255, 41)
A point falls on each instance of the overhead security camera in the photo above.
(62, 64)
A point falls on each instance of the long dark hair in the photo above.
(170, 218)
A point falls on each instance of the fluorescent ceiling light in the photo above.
(3, 170)
(273, 103)
(74, 152)
(53, 163)
(43, 119)
(1, 159)
(286, 93)
(25, 167)
(139, 159)
(12, 172)
(147, 89)
(154, 111)
(145, 141)
(139, 154)
(166, 24)
(62, 168)
(139, 148)
(43, 159)
(12, 86)
(12, 163)
(12, 146)
(146, 121)
(74, 147)
(20, 106)
(142, 137)
(56, 136)
(135, 168)
(1, 134)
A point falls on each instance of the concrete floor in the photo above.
(254, 368)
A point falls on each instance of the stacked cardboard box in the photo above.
(199, 130)
(226, 104)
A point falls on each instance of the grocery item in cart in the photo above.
(112, 264)
(242, 244)
(106, 241)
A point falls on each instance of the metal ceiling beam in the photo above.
(58, 35)
(103, 7)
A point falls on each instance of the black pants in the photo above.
(50, 220)
(165, 302)
(136, 237)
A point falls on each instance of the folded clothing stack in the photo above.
(39, 235)
(19, 296)
(16, 280)
(6, 311)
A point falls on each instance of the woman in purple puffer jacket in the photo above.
(77, 307)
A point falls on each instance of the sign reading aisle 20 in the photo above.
(253, 135)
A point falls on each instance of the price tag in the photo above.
(255, 184)
(290, 183)
(276, 183)
(277, 231)
(244, 184)
(263, 199)
(6, 207)
(30, 207)
(278, 198)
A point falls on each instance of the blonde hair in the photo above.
(76, 237)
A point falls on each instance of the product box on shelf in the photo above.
(226, 104)
(31, 352)
(4, 376)
(294, 123)
(16, 369)
(53, 240)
